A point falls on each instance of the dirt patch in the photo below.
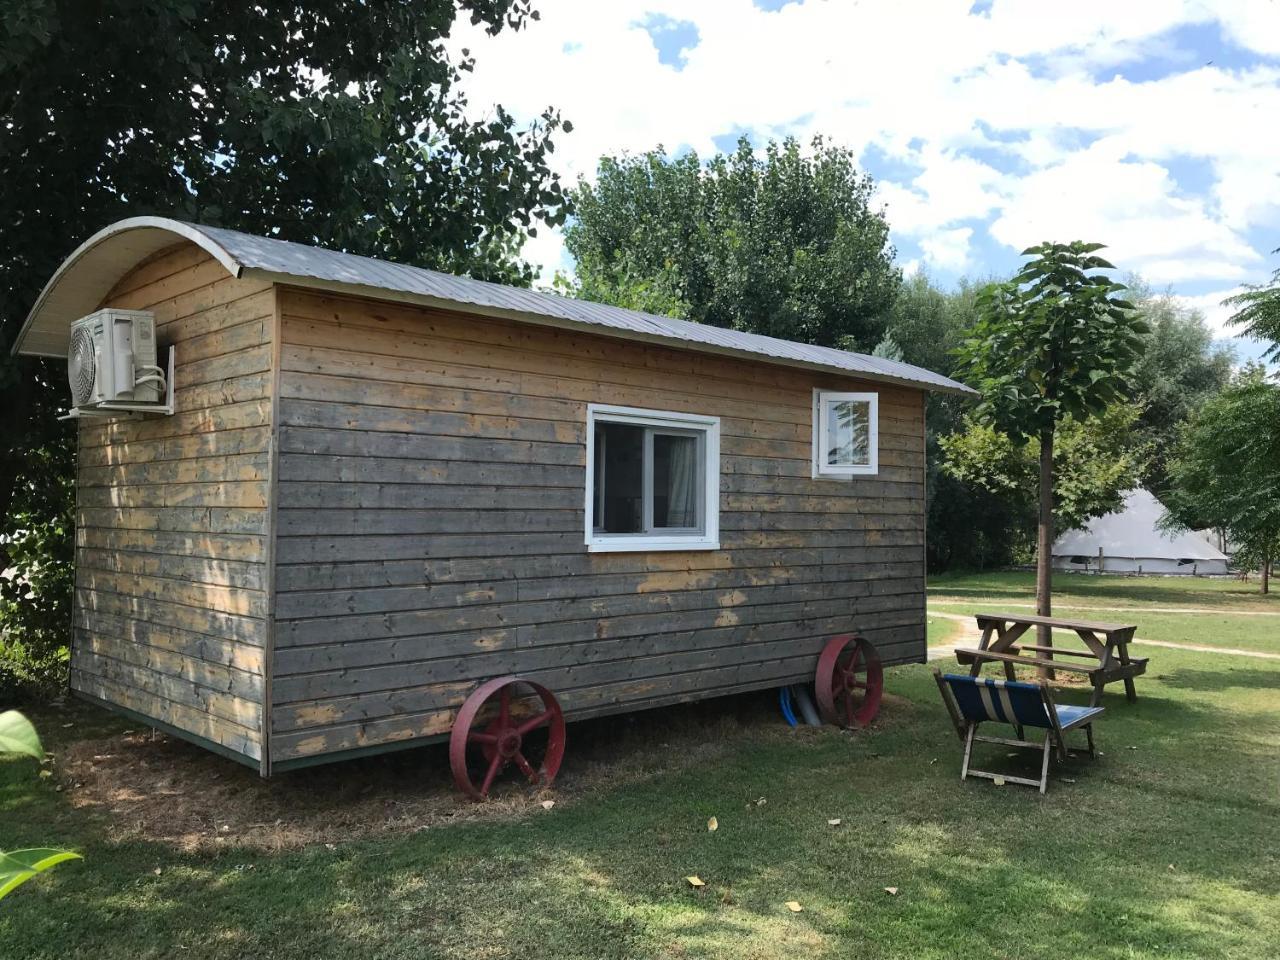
(162, 789)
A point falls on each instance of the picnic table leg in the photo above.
(1047, 673)
(1122, 651)
(983, 643)
(1098, 683)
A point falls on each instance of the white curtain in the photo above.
(682, 482)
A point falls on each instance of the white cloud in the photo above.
(547, 252)
(1096, 194)
(948, 249)
(995, 124)
(1253, 24)
(1215, 314)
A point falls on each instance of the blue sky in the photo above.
(1149, 125)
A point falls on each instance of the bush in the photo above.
(37, 547)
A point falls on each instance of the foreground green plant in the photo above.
(18, 736)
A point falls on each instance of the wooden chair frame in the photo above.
(1054, 736)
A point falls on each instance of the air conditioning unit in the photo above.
(111, 363)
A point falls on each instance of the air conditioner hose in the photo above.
(784, 701)
(800, 694)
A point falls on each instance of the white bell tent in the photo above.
(1130, 541)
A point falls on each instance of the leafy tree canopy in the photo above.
(1096, 461)
(320, 122)
(331, 123)
(1225, 472)
(1258, 311)
(1179, 369)
(929, 324)
(785, 244)
(1056, 341)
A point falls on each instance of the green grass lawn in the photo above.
(1086, 590)
(1231, 613)
(1167, 846)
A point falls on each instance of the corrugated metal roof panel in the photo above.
(284, 261)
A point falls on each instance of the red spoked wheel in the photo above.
(849, 682)
(502, 740)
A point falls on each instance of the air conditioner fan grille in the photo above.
(80, 365)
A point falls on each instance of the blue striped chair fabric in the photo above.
(1009, 701)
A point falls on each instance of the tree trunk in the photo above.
(1044, 548)
(1266, 573)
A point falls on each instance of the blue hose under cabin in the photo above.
(784, 701)
(797, 697)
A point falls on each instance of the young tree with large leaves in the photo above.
(786, 244)
(1258, 311)
(325, 122)
(1056, 341)
(1225, 472)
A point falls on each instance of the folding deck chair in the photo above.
(975, 700)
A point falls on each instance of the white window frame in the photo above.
(821, 435)
(707, 537)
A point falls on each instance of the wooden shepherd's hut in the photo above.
(379, 486)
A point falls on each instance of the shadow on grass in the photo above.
(979, 870)
(1153, 852)
(1225, 678)
(1162, 850)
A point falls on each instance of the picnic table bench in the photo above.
(1106, 654)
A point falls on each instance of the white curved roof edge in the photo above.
(82, 280)
(85, 278)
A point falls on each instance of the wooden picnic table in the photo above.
(1106, 652)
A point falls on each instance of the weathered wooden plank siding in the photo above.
(430, 523)
(171, 553)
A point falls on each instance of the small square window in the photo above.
(846, 434)
(653, 480)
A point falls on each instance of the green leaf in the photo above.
(17, 735)
(19, 866)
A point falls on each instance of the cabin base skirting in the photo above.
(251, 762)
(591, 713)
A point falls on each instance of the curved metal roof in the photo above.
(86, 277)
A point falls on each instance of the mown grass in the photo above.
(1225, 592)
(1167, 846)
(1231, 613)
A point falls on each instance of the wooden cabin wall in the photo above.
(172, 520)
(430, 526)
